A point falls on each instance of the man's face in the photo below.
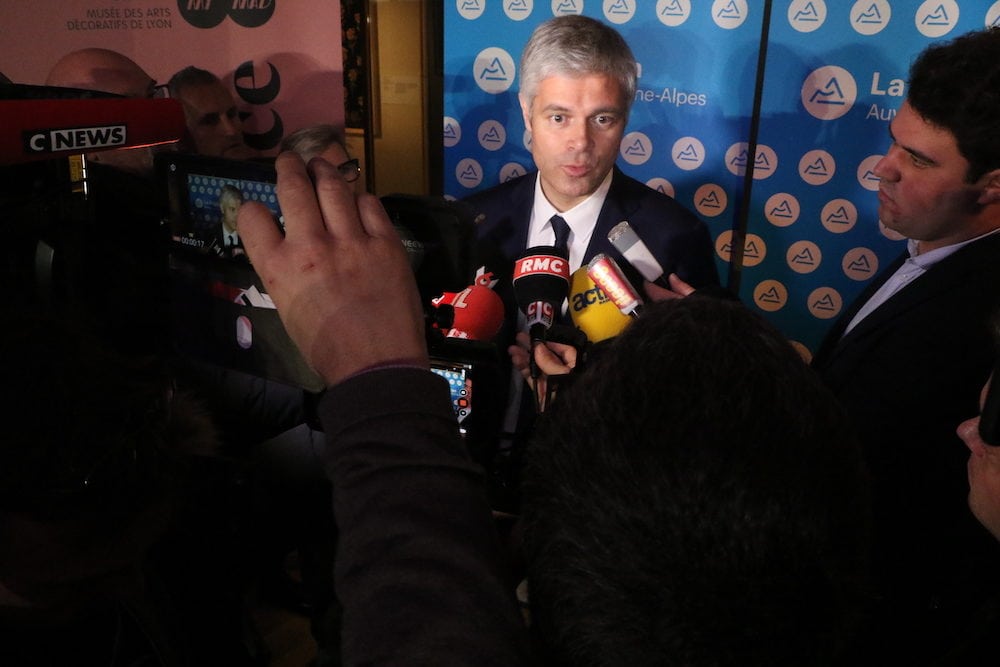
(984, 473)
(230, 210)
(576, 126)
(213, 121)
(923, 193)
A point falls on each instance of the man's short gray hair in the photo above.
(575, 45)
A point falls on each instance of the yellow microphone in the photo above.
(592, 311)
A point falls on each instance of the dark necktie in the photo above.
(561, 228)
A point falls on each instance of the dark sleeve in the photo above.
(417, 568)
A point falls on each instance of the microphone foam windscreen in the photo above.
(541, 273)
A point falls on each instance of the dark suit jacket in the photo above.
(675, 236)
(909, 373)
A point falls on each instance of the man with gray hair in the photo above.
(578, 81)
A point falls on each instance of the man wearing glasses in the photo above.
(325, 141)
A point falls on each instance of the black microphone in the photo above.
(627, 242)
(541, 283)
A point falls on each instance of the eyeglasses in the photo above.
(350, 170)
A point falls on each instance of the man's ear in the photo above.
(525, 110)
(991, 188)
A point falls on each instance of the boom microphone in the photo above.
(628, 243)
(592, 311)
(541, 281)
(606, 274)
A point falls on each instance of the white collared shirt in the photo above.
(582, 219)
(915, 266)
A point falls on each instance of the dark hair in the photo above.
(190, 76)
(695, 498)
(956, 86)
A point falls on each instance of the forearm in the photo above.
(417, 567)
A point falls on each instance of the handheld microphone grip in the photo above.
(606, 274)
(627, 242)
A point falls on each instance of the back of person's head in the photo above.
(312, 140)
(956, 86)
(695, 498)
(101, 69)
(190, 76)
(575, 46)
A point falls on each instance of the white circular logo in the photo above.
(839, 215)
(803, 257)
(565, 7)
(470, 10)
(688, 153)
(859, 264)
(993, 15)
(817, 167)
(710, 200)
(494, 70)
(829, 92)
(936, 18)
(492, 135)
(729, 14)
(619, 11)
(764, 163)
(452, 131)
(511, 170)
(866, 173)
(661, 185)
(516, 10)
(806, 15)
(636, 148)
(673, 13)
(469, 173)
(869, 17)
(782, 209)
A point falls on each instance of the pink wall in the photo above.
(250, 38)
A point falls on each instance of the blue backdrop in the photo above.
(833, 77)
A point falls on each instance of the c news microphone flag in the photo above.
(40, 129)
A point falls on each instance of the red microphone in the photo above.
(478, 312)
(607, 275)
(40, 129)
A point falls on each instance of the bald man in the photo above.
(110, 72)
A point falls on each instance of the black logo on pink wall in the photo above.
(210, 13)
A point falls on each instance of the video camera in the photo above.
(221, 312)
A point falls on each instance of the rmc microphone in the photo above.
(541, 282)
(628, 243)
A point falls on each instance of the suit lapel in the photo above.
(950, 273)
(617, 207)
